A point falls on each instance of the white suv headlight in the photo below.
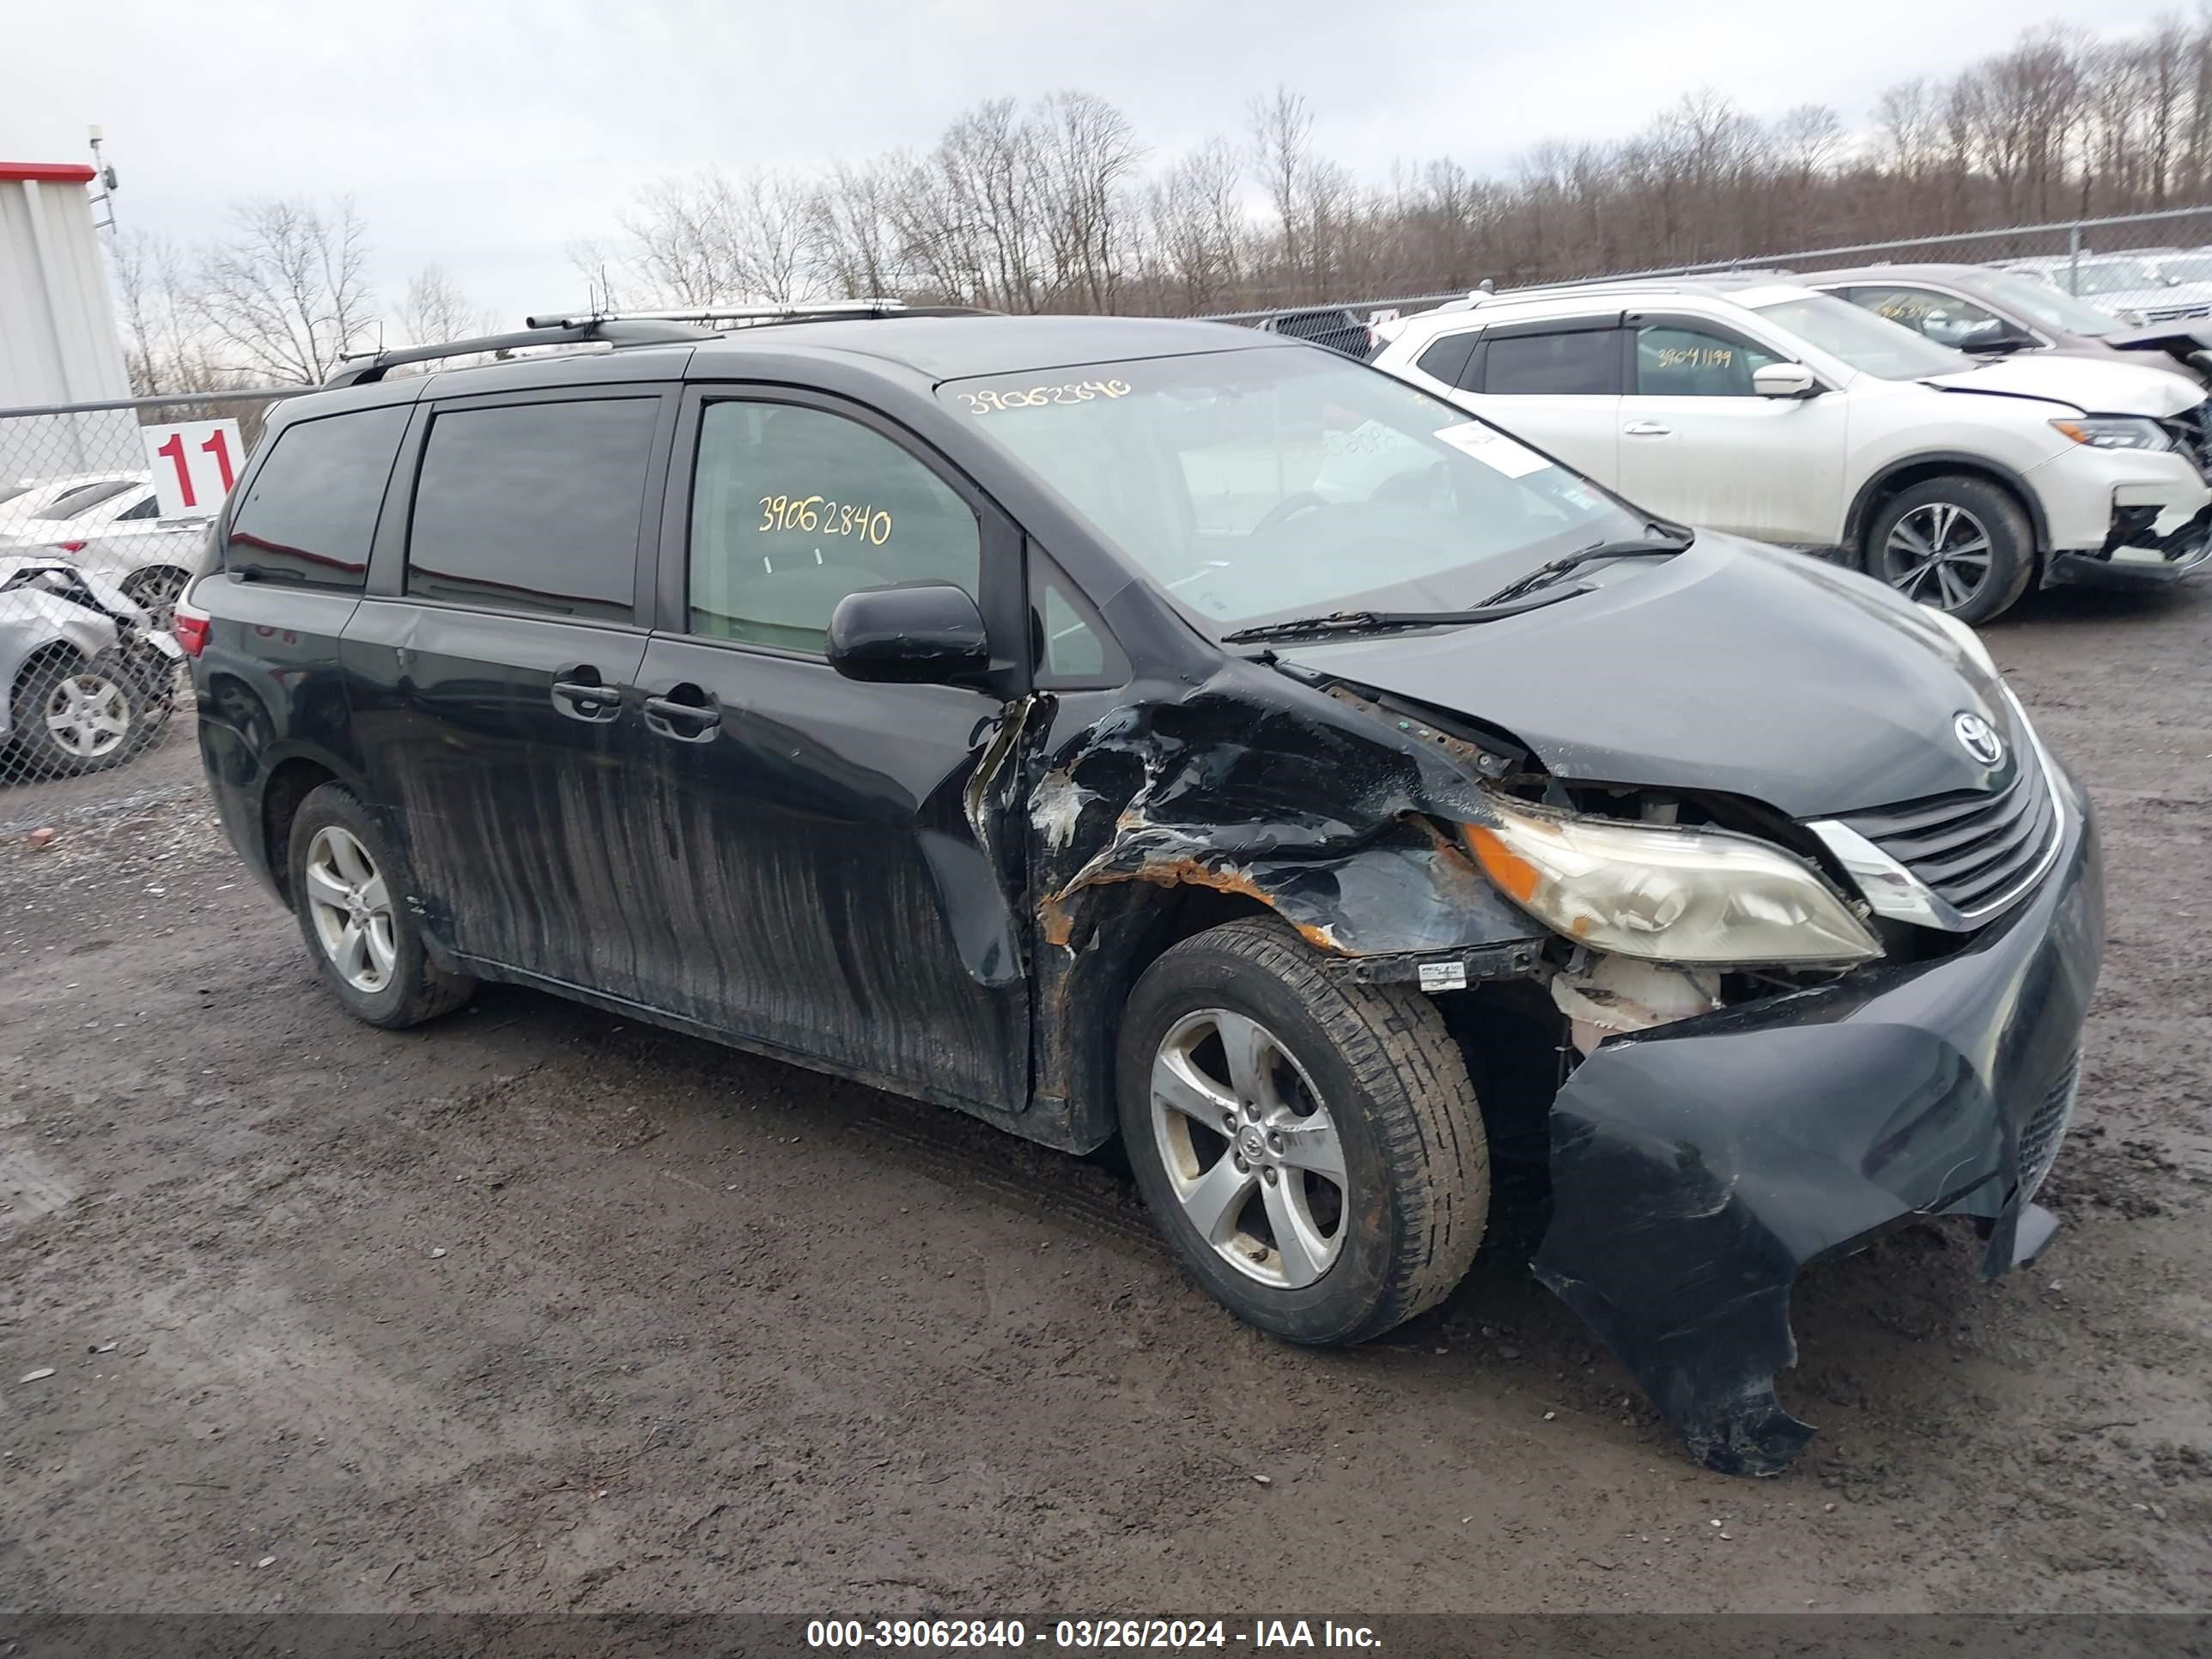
(2116, 432)
(1666, 893)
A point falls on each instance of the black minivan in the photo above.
(1108, 727)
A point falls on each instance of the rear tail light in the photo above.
(69, 547)
(191, 629)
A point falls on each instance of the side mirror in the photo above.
(1996, 341)
(1784, 381)
(923, 634)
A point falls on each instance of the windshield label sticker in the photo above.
(1370, 438)
(1493, 449)
(819, 515)
(1036, 397)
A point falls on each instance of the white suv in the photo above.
(1773, 411)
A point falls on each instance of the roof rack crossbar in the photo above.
(610, 331)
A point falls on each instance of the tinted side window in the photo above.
(1586, 362)
(1447, 358)
(794, 509)
(311, 512)
(146, 509)
(1688, 362)
(1068, 644)
(533, 507)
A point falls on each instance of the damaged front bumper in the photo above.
(1697, 1167)
(2136, 554)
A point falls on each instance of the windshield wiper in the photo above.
(1379, 622)
(1544, 574)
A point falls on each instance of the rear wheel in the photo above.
(1956, 543)
(352, 896)
(1311, 1148)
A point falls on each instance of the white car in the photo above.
(1770, 411)
(32, 503)
(130, 501)
(150, 559)
(2133, 288)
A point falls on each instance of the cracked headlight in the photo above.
(2116, 432)
(1666, 893)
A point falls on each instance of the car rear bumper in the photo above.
(236, 780)
(1696, 1168)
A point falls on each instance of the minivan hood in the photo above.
(2088, 385)
(1735, 667)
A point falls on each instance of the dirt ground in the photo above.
(535, 1310)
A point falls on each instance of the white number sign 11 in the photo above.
(193, 463)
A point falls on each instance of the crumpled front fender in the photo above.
(1696, 1168)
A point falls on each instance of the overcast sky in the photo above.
(486, 134)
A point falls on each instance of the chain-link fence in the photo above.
(2137, 269)
(103, 512)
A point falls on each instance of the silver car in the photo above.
(88, 682)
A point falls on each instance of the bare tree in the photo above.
(435, 310)
(855, 246)
(153, 294)
(1049, 205)
(1085, 153)
(1197, 234)
(286, 295)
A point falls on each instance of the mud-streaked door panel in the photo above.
(507, 750)
(825, 892)
(493, 669)
(834, 886)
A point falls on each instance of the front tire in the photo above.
(1312, 1149)
(353, 899)
(74, 714)
(1956, 543)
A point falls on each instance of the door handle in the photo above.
(583, 699)
(1648, 430)
(695, 717)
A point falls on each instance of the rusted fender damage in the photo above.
(1284, 799)
(1312, 802)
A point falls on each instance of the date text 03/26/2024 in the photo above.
(1165, 1634)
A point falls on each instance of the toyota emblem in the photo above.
(1979, 739)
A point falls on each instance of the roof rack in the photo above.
(636, 328)
(812, 311)
(564, 331)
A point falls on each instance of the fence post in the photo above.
(2074, 259)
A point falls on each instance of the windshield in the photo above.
(2109, 276)
(2187, 268)
(1886, 351)
(2050, 306)
(1255, 486)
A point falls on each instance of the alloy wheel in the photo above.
(88, 716)
(351, 908)
(1938, 554)
(157, 592)
(1250, 1150)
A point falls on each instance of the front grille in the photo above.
(2172, 313)
(2039, 1142)
(2191, 432)
(1975, 848)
